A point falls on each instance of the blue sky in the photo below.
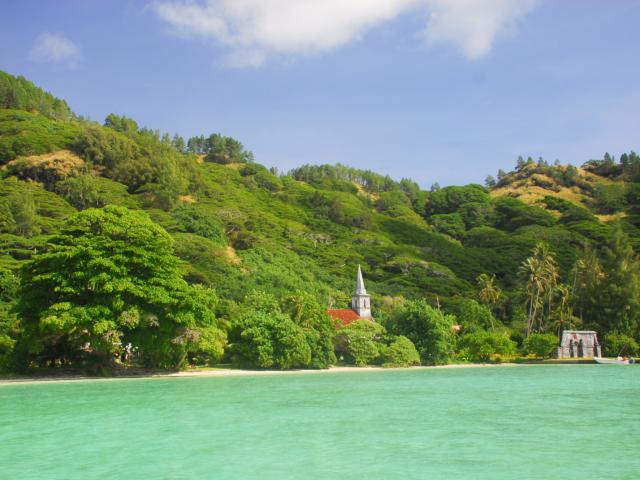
(443, 91)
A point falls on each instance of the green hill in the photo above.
(239, 227)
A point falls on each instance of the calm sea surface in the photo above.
(528, 422)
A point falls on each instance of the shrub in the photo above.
(270, 340)
(305, 310)
(46, 168)
(449, 223)
(300, 334)
(512, 214)
(393, 203)
(401, 352)
(429, 329)
(476, 214)
(449, 199)
(24, 133)
(86, 191)
(540, 344)
(609, 198)
(104, 147)
(482, 345)
(361, 341)
(474, 316)
(618, 344)
(193, 219)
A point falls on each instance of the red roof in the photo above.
(343, 316)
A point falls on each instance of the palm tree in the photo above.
(588, 275)
(541, 276)
(533, 287)
(551, 281)
(489, 293)
(564, 314)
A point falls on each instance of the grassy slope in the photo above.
(532, 187)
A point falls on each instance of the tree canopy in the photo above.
(110, 278)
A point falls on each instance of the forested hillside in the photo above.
(215, 257)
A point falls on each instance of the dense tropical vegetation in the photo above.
(121, 246)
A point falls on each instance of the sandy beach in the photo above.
(233, 372)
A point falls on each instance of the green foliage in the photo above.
(109, 278)
(305, 310)
(401, 352)
(22, 215)
(341, 208)
(9, 323)
(609, 198)
(258, 177)
(138, 158)
(106, 148)
(226, 150)
(51, 209)
(541, 345)
(297, 334)
(450, 199)
(429, 329)
(361, 341)
(476, 214)
(24, 133)
(7, 222)
(394, 203)
(264, 337)
(87, 191)
(512, 214)
(243, 227)
(270, 341)
(194, 219)
(619, 297)
(450, 224)
(474, 316)
(616, 344)
(483, 346)
(341, 177)
(124, 125)
(21, 94)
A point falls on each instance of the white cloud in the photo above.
(473, 25)
(55, 48)
(253, 30)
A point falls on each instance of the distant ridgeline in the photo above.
(246, 260)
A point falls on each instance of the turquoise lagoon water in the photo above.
(527, 422)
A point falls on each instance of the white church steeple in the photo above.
(361, 302)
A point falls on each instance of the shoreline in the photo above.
(232, 372)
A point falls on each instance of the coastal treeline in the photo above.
(125, 247)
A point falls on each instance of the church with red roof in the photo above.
(360, 306)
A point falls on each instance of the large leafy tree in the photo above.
(475, 316)
(9, 324)
(361, 341)
(482, 345)
(305, 310)
(265, 337)
(428, 328)
(110, 278)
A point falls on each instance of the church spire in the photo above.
(361, 302)
(360, 290)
